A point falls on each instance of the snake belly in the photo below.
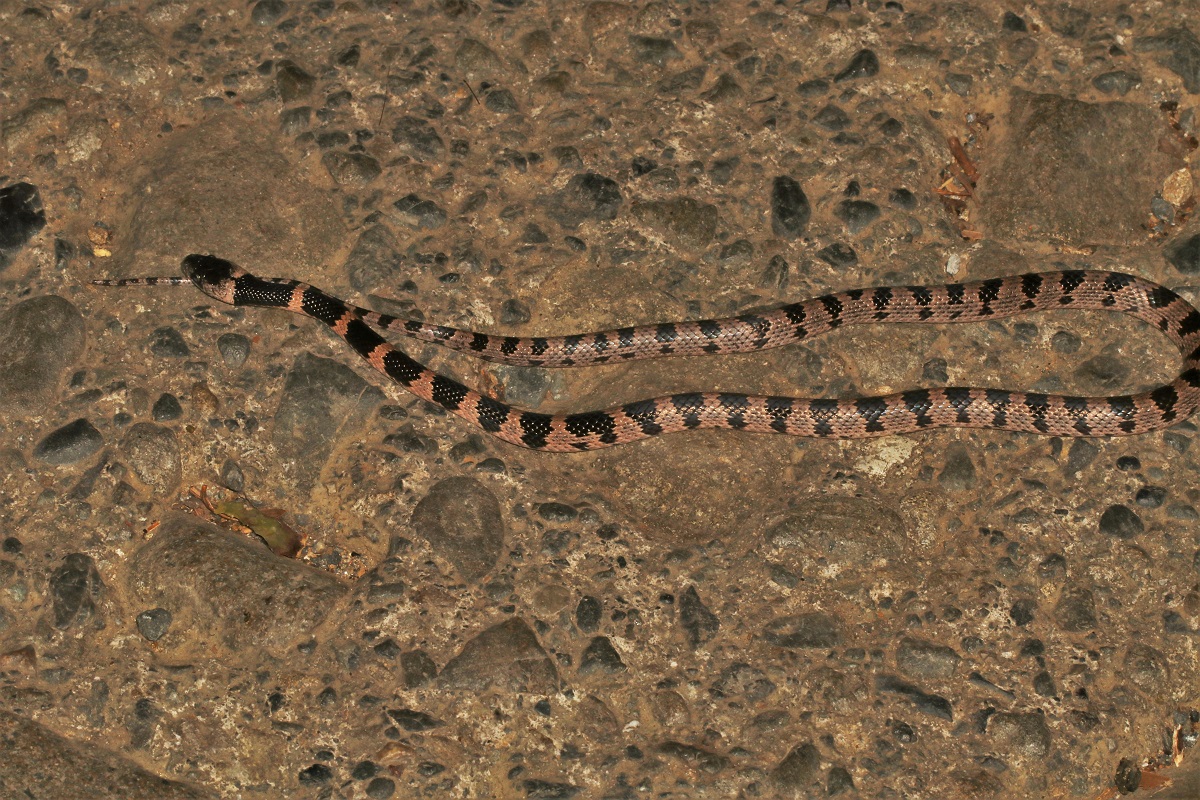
(898, 413)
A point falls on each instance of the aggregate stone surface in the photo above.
(709, 614)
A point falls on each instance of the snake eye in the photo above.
(207, 270)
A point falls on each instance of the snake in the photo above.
(834, 418)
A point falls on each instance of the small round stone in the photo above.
(154, 623)
(381, 788)
(166, 408)
(1120, 521)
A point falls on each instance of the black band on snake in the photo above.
(903, 412)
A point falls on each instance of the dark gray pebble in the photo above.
(315, 775)
(166, 408)
(959, 473)
(1180, 53)
(838, 255)
(294, 121)
(1022, 611)
(812, 629)
(798, 770)
(21, 217)
(959, 83)
(154, 623)
(419, 138)
(557, 512)
(363, 770)
(790, 210)
(418, 667)
(168, 343)
(501, 101)
(864, 64)
(902, 198)
(420, 214)
(75, 587)
(268, 12)
(832, 118)
(856, 214)
(293, 82)
(72, 442)
(381, 788)
(1117, 82)
(1150, 496)
(586, 196)
(1184, 254)
(231, 476)
(600, 656)
(351, 169)
(932, 704)
(1121, 521)
(1013, 23)
(234, 349)
(838, 782)
(920, 659)
(813, 88)
(514, 312)
(699, 624)
(587, 614)
(494, 466)
(654, 50)
(374, 260)
(411, 720)
(1182, 511)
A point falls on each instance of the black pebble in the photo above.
(1184, 254)
(903, 198)
(864, 65)
(70, 443)
(790, 210)
(1129, 463)
(587, 614)
(166, 408)
(1011, 22)
(381, 788)
(1150, 496)
(514, 312)
(21, 216)
(856, 214)
(268, 12)
(317, 773)
(838, 255)
(557, 512)
(153, 624)
(1121, 522)
(169, 343)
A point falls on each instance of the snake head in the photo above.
(211, 275)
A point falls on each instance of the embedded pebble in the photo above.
(799, 769)
(420, 213)
(600, 656)
(680, 220)
(40, 340)
(234, 349)
(1118, 82)
(168, 343)
(374, 260)
(1076, 610)
(293, 82)
(461, 520)
(587, 196)
(166, 408)
(125, 48)
(856, 214)
(506, 656)
(920, 659)
(790, 210)
(154, 623)
(69, 444)
(812, 629)
(418, 138)
(1179, 51)
(351, 169)
(838, 254)
(864, 64)
(21, 217)
(699, 624)
(1121, 521)
(153, 453)
(75, 586)
(1024, 733)
(268, 12)
(1184, 254)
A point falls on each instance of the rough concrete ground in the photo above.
(943, 615)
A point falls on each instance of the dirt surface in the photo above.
(709, 614)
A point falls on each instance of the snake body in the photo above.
(902, 412)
